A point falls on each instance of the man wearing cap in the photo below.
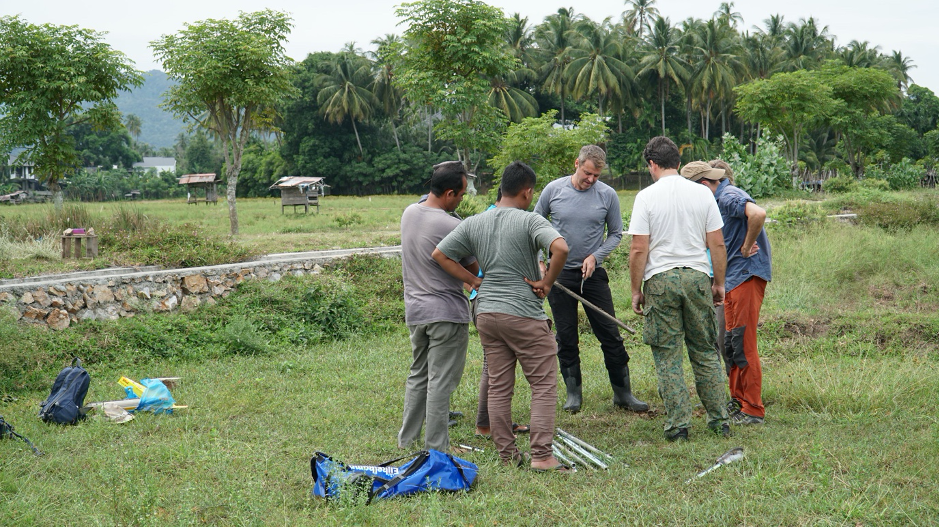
(748, 271)
(673, 224)
(435, 310)
(582, 208)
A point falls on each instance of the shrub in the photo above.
(900, 176)
(346, 220)
(840, 185)
(471, 205)
(794, 213)
(761, 174)
(874, 184)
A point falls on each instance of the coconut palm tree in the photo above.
(726, 14)
(717, 67)
(899, 66)
(807, 45)
(662, 58)
(133, 125)
(514, 102)
(383, 88)
(596, 69)
(639, 15)
(554, 38)
(345, 94)
(860, 55)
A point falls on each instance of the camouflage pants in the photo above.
(678, 307)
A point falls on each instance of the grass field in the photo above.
(850, 340)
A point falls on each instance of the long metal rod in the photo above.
(587, 455)
(572, 455)
(595, 308)
(584, 444)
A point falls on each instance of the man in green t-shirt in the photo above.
(512, 324)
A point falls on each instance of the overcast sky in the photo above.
(327, 25)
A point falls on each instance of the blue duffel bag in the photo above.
(427, 470)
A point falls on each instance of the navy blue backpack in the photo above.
(426, 471)
(64, 405)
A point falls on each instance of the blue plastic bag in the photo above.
(156, 397)
(428, 470)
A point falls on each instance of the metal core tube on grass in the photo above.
(566, 452)
(561, 457)
(583, 452)
(584, 444)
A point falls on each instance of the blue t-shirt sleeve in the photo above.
(734, 204)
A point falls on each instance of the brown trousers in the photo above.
(508, 339)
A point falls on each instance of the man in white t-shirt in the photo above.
(673, 223)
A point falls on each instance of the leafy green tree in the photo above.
(716, 68)
(788, 104)
(920, 109)
(864, 95)
(53, 78)
(103, 148)
(454, 46)
(548, 149)
(230, 75)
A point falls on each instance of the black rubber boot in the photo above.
(574, 391)
(622, 392)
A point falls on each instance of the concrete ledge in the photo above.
(108, 294)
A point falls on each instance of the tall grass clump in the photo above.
(166, 245)
(44, 247)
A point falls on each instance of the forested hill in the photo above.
(158, 128)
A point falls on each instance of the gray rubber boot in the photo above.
(574, 391)
(622, 391)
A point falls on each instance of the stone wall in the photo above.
(61, 301)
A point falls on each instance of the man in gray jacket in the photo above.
(582, 208)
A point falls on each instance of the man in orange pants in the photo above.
(748, 271)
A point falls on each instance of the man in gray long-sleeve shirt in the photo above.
(581, 208)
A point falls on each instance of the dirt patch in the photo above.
(808, 327)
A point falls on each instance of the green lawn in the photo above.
(850, 341)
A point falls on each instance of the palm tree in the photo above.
(514, 102)
(345, 93)
(662, 58)
(133, 125)
(555, 38)
(638, 15)
(860, 55)
(899, 66)
(716, 68)
(519, 39)
(726, 14)
(806, 45)
(596, 69)
(383, 87)
(774, 27)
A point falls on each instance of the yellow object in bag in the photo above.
(135, 386)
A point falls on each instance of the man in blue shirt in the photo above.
(748, 271)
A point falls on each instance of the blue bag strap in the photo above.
(459, 468)
(419, 461)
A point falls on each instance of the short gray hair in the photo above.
(594, 154)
